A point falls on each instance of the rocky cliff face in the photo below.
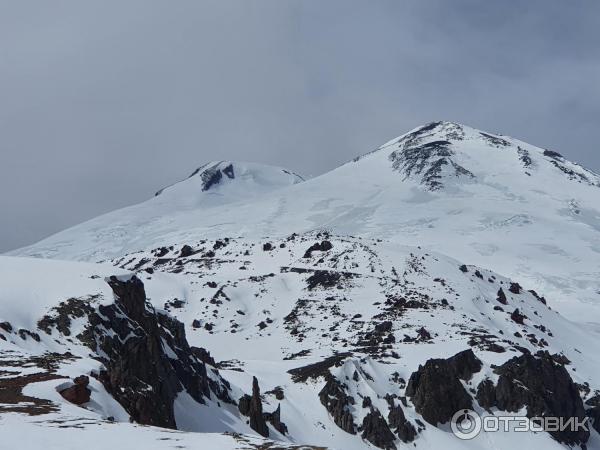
(146, 356)
(540, 384)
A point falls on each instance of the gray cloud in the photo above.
(102, 103)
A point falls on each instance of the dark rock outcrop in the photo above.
(465, 364)
(79, 393)
(515, 288)
(502, 297)
(545, 388)
(251, 407)
(376, 430)
(594, 414)
(333, 396)
(318, 369)
(147, 359)
(255, 413)
(274, 419)
(486, 394)
(517, 317)
(397, 420)
(318, 247)
(186, 251)
(244, 404)
(435, 388)
(60, 317)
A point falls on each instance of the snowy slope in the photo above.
(37, 361)
(485, 199)
(271, 308)
(216, 184)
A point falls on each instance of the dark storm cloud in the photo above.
(104, 102)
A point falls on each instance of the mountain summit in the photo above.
(230, 179)
(443, 153)
(480, 197)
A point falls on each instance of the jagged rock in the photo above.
(465, 364)
(423, 334)
(274, 419)
(545, 388)
(79, 393)
(463, 268)
(255, 413)
(61, 316)
(320, 247)
(186, 251)
(594, 415)
(436, 391)
(333, 396)
(486, 394)
(366, 403)
(537, 296)
(137, 371)
(244, 404)
(384, 327)
(203, 355)
(23, 334)
(515, 288)
(552, 154)
(277, 391)
(251, 406)
(160, 252)
(502, 297)
(397, 420)
(323, 278)
(376, 430)
(517, 317)
(429, 160)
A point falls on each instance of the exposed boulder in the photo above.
(79, 393)
(517, 317)
(515, 288)
(502, 297)
(186, 251)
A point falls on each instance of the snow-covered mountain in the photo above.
(247, 308)
(486, 199)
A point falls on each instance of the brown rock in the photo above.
(79, 393)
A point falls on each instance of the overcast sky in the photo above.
(103, 102)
